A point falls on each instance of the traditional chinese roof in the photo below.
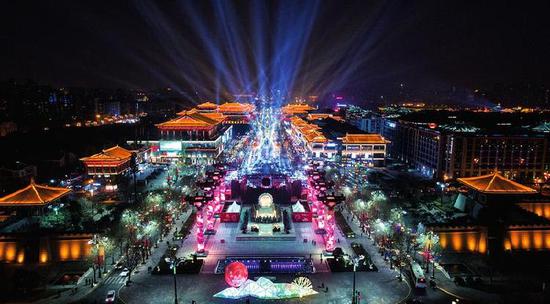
(115, 154)
(193, 119)
(33, 195)
(310, 132)
(296, 108)
(364, 139)
(297, 121)
(314, 136)
(235, 107)
(495, 184)
(207, 106)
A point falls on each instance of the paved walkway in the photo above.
(141, 270)
(368, 244)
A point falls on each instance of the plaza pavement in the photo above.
(375, 287)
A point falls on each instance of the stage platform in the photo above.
(251, 237)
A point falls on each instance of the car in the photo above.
(110, 298)
(119, 265)
(124, 273)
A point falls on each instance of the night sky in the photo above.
(331, 45)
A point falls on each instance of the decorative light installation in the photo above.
(265, 289)
(236, 274)
(200, 226)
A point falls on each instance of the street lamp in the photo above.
(174, 262)
(355, 261)
(442, 186)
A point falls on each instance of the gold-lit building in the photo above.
(296, 108)
(369, 149)
(34, 195)
(113, 161)
(194, 136)
(503, 216)
(364, 148)
(234, 113)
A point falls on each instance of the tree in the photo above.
(130, 221)
(87, 209)
(110, 246)
(53, 220)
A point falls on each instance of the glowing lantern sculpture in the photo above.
(330, 203)
(236, 274)
(200, 224)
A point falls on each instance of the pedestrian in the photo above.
(326, 289)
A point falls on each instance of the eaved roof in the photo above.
(495, 184)
(313, 135)
(207, 105)
(115, 153)
(235, 107)
(193, 119)
(364, 139)
(297, 121)
(297, 108)
(33, 195)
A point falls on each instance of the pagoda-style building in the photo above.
(364, 148)
(194, 136)
(237, 113)
(34, 196)
(311, 138)
(321, 144)
(112, 161)
(318, 116)
(296, 108)
(207, 107)
(491, 218)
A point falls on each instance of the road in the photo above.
(113, 282)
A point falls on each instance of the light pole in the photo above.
(356, 261)
(442, 186)
(174, 262)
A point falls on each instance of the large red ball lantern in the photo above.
(236, 274)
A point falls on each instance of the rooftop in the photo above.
(115, 153)
(33, 195)
(233, 107)
(193, 119)
(495, 184)
(364, 139)
(482, 123)
(334, 130)
(207, 106)
(296, 108)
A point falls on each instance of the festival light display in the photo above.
(200, 224)
(236, 274)
(265, 289)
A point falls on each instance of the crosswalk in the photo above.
(115, 280)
